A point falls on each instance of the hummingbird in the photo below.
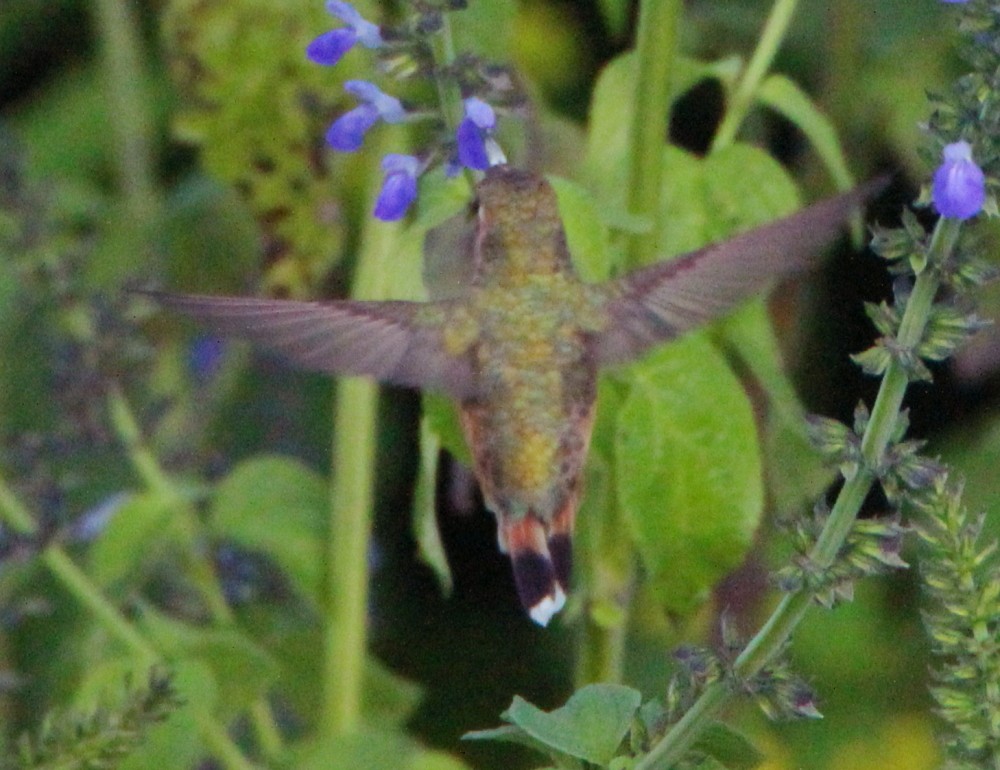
(519, 348)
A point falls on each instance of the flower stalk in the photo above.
(769, 641)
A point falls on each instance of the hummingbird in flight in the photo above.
(520, 347)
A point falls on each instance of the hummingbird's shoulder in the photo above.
(456, 321)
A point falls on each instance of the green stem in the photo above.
(126, 100)
(746, 90)
(75, 581)
(449, 95)
(349, 535)
(772, 636)
(352, 482)
(601, 654)
(656, 50)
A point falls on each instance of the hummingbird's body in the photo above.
(520, 348)
(529, 425)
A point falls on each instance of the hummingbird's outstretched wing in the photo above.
(401, 343)
(659, 302)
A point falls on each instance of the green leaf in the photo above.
(784, 96)
(610, 121)
(242, 670)
(129, 541)
(436, 760)
(278, 506)
(372, 749)
(364, 749)
(688, 469)
(730, 748)
(388, 699)
(712, 198)
(508, 734)
(591, 726)
(586, 233)
(795, 472)
(486, 29)
(425, 528)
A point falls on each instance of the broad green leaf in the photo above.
(278, 506)
(367, 748)
(388, 698)
(688, 469)
(373, 749)
(129, 540)
(486, 28)
(795, 472)
(586, 233)
(425, 528)
(784, 95)
(436, 760)
(712, 198)
(591, 726)
(728, 747)
(242, 670)
(508, 734)
(610, 120)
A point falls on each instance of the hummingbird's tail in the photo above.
(541, 557)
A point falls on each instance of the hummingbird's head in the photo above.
(519, 226)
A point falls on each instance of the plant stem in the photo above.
(656, 51)
(449, 94)
(353, 474)
(75, 581)
(746, 90)
(769, 640)
(126, 99)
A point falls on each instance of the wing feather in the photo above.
(659, 302)
(395, 342)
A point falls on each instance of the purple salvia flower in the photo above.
(399, 188)
(390, 109)
(348, 131)
(328, 48)
(959, 186)
(473, 133)
(205, 356)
